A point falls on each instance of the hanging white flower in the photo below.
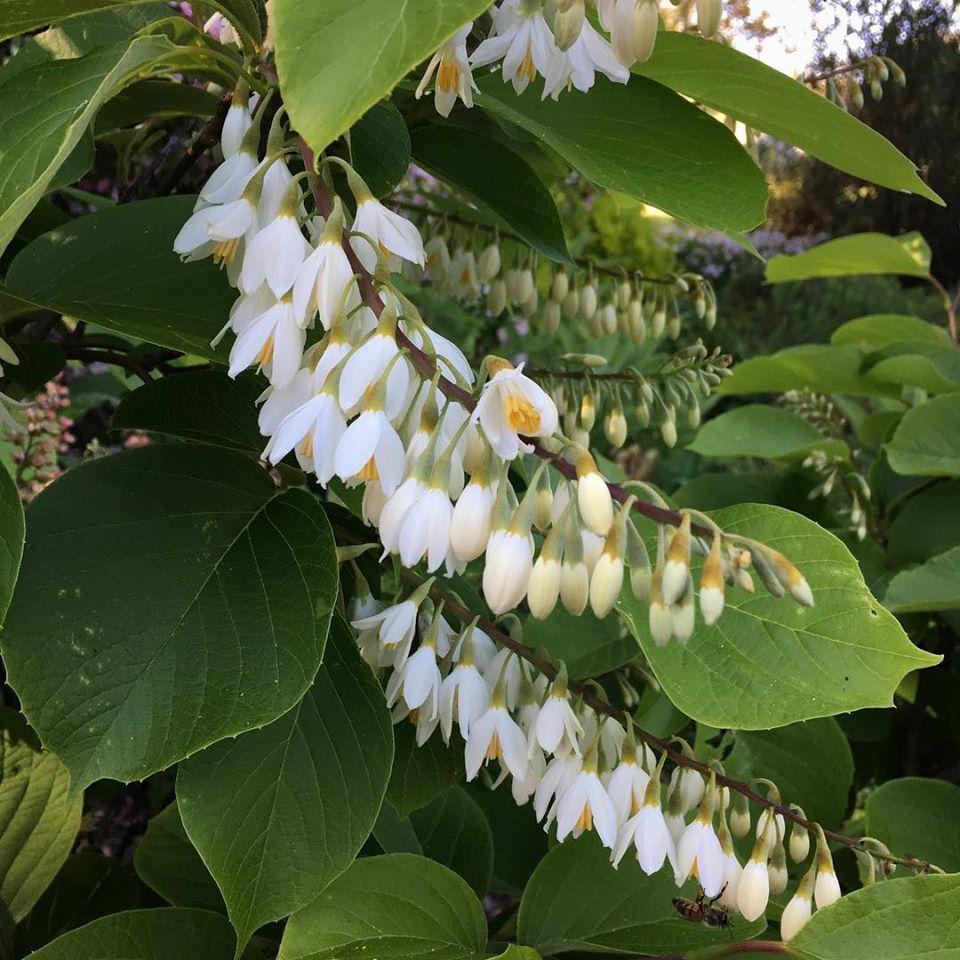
(590, 54)
(273, 341)
(454, 78)
(521, 39)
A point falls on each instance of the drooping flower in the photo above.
(577, 66)
(585, 804)
(381, 232)
(454, 77)
(495, 735)
(521, 39)
(699, 851)
(273, 341)
(557, 728)
(464, 694)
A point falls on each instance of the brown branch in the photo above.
(207, 137)
(549, 670)
(425, 364)
(949, 305)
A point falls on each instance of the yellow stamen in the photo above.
(369, 471)
(527, 69)
(266, 352)
(448, 76)
(586, 818)
(521, 414)
(306, 446)
(225, 251)
(494, 751)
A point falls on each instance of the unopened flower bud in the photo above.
(615, 427)
(606, 580)
(634, 31)
(753, 890)
(826, 890)
(551, 316)
(683, 616)
(560, 286)
(588, 301)
(668, 431)
(528, 306)
(514, 285)
(488, 263)
(711, 584)
(639, 560)
(797, 912)
(588, 412)
(526, 288)
(624, 293)
(593, 496)
(778, 868)
(497, 298)
(708, 16)
(571, 304)
(659, 620)
(799, 843)
(642, 411)
(676, 572)
(544, 588)
(740, 816)
(568, 23)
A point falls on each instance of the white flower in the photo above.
(561, 771)
(606, 583)
(323, 279)
(795, 914)
(523, 788)
(246, 308)
(364, 367)
(544, 587)
(732, 871)
(647, 832)
(273, 341)
(421, 679)
(390, 234)
(585, 805)
(699, 852)
(505, 664)
(276, 181)
(495, 736)
(229, 180)
(483, 648)
(472, 518)
(373, 502)
(277, 404)
(578, 65)
(220, 27)
(507, 570)
(521, 39)
(219, 231)
(275, 255)
(396, 624)
(627, 786)
(425, 530)
(464, 694)
(454, 78)
(594, 501)
(557, 724)
(633, 30)
(314, 429)
(395, 509)
(370, 449)
(826, 890)
(753, 889)
(512, 404)
(691, 786)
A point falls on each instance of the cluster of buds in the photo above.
(845, 87)
(555, 40)
(582, 769)
(677, 388)
(39, 439)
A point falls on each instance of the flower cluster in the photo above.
(555, 41)
(582, 770)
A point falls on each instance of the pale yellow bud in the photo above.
(497, 298)
(551, 316)
(560, 286)
(708, 16)
(588, 301)
(488, 263)
(544, 588)
(571, 304)
(574, 587)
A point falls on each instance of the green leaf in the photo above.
(279, 812)
(88, 886)
(394, 834)
(38, 818)
(170, 596)
(879, 329)
(769, 661)
(155, 98)
(771, 433)
(575, 900)
(927, 441)
(391, 907)
(502, 183)
(167, 933)
(421, 774)
(11, 539)
(47, 109)
(810, 762)
(930, 366)
(355, 54)
(928, 524)
(117, 269)
(203, 405)
(763, 98)
(514, 952)
(859, 253)
(380, 147)
(934, 585)
(453, 830)
(168, 863)
(645, 141)
(18, 17)
(917, 818)
(818, 367)
(588, 646)
(898, 919)
(712, 491)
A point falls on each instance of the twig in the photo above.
(549, 670)
(206, 138)
(949, 305)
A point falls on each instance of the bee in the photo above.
(703, 910)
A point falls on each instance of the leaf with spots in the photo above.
(170, 596)
(280, 812)
(768, 661)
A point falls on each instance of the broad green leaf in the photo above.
(771, 433)
(420, 774)
(819, 367)
(453, 830)
(929, 366)
(898, 920)
(934, 585)
(588, 646)
(11, 539)
(18, 17)
(279, 812)
(879, 329)
(355, 54)
(763, 98)
(501, 183)
(170, 596)
(917, 818)
(47, 109)
(88, 886)
(575, 900)
(117, 269)
(394, 834)
(165, 933)
(713, 491)
(810, 762)
(380, 147)
(769, 661)
(515, 952)
(928, 524)
(859, 253)
(927, 441)
(203, 405)
(155, 98)
(39, 819)
(390, 907)
(168, 863)
(645, 141)
(519, 842)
